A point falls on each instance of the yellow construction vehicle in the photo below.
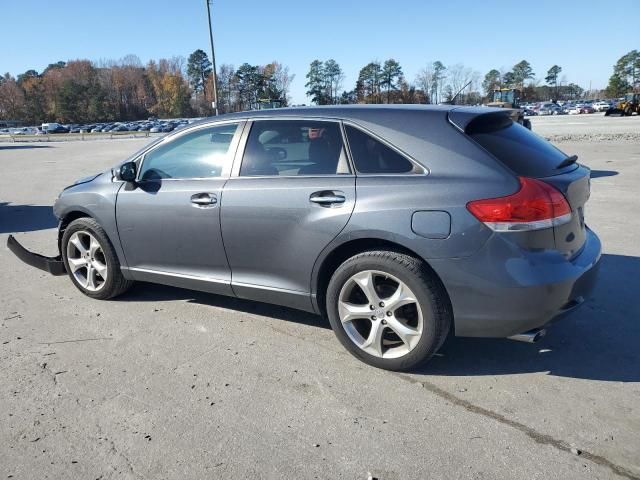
(505, 98)
(510, 98)
(627, 107)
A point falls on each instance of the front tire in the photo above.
(388, 309)
(91, 260)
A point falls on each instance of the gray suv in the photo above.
(401, 224)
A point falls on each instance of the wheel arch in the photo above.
(66, 219)
(334, 257)
(79, 212)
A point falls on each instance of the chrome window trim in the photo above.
(226, 169)
(315, 175)
(424, 170)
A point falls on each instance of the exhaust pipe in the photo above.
(532, 336)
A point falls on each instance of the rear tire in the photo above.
(388, 309)
(91, 261)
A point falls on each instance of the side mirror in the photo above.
(127, 172)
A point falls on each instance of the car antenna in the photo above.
(453, 100)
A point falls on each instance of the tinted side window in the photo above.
(294, 147)
(372, 156)
(200, 154)
(515, 146)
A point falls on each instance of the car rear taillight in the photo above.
(535, 206)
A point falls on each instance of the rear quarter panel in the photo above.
(458, 172)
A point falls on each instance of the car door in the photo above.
(293, 192)
(169, 221)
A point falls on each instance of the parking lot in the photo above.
(169, 383)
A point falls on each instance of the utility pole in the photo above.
(214, 104)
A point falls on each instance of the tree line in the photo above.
(81, 91)
(626, 75)
(385, 82)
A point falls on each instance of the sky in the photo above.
(584, 37)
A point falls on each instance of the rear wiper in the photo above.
(567, 161)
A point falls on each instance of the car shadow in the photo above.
(599, 341)
(22, 147)
(148, 292)
(603, 173)
(25, 218)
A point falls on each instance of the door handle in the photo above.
(204, 199)
(327, 197)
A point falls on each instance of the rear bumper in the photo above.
(501, 297)
(53, 265)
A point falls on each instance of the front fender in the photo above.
(96, 199)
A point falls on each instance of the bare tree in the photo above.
(424, 81)
(459, 76)
(226, 88)
(282, 80)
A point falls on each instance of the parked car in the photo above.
(547, 109)
(54, 128)
(398, 227)
(587, 109)
(601, 106)
(23, 131)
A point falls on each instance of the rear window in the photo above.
(371, 156)
(521, 150)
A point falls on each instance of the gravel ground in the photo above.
(593, 127)
(168, 383)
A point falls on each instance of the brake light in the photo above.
(535, 206)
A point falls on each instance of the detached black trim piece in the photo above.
(53, 265)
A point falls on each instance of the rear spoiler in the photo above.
(463, 116)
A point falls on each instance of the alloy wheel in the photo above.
(380, 314)
(87, 261)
